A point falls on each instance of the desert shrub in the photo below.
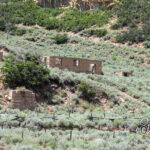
(18, 31)
(75, 99)
(61, 38)
(75, 20)
(134, 35)
(29, 13)
(146, 44)
(87, 92)
(57, 100)
(28, 72)
(115, 26)
(97, 32)
(16, 139)
(85, 105)
(51, 23)
(62, 93)
(132, 12)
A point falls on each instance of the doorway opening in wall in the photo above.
(92, 68)
(58, 61)
(76, 62)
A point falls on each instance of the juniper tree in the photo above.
(6, 16)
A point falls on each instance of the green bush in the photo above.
(97, 32)
(115, 26)
(18, 31)
(28, 72)
(61, 38)
(134, 35)
(51, 23)
(87, 92)
(146, 44)
(2, 24)
(75, 20)
(132, 12)
(29, 13)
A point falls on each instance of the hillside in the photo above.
(76, 110)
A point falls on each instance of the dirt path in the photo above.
(60, 15)
(135, 99)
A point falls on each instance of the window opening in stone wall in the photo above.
(75, 62)
(58, 61)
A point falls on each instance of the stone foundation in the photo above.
(22, 99)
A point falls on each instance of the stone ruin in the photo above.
(22, 99)
(74, 64)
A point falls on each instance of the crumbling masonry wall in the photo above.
(74, 64)
(22, 99)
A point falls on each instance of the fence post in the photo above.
(71, 135)
(114, 134)
(22, 135)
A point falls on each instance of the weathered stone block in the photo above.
(22, 99)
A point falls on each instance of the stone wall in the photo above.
(22, 99)
(74, 64)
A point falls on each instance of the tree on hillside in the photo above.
(27, 72)
(6, 17)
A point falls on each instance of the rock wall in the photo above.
(74, 64)
(22, 99)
